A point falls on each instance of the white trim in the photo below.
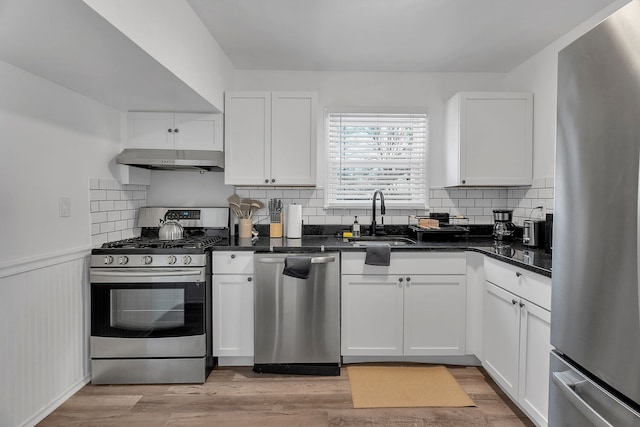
(42, 261)
(47, 410)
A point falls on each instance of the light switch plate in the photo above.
(65, 206)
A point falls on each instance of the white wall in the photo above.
(540, 75)
(54, 141)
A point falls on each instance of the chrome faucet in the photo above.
(375, 230)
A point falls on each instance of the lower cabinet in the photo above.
(403, 314)
(233, 308)
(516, 348)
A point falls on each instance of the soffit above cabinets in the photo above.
(68, 43)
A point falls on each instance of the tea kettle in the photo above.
(170, 229)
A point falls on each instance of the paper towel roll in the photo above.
(293, 220)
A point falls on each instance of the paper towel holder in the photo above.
(293, 222)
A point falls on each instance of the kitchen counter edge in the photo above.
(535, 260)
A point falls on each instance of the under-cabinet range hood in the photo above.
(201, 160)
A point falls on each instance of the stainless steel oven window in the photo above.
(145, 309)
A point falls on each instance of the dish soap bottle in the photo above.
(355, 228)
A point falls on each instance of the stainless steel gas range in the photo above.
(151, 301)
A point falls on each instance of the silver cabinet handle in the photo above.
(514, 302)
(566, 384)
(518, 274)
(314, 260)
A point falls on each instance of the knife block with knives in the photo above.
(275, 218)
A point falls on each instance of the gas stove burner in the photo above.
(147, 243)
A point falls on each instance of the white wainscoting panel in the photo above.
(44, 330)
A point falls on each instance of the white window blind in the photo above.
(370, 151)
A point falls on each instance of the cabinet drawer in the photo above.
(524, 283)
(230, 262)
(407, 263)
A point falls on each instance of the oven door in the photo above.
(140, 312)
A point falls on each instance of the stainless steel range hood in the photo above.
(173, 159)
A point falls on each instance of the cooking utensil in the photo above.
(255, 205)
(234, 204)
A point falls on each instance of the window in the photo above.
(370, 151)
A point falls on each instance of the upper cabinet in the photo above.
(175, 131)
(489, 139)
(270, 138)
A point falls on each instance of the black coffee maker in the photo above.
(503, 226)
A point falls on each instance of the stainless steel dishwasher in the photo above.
(297, 321)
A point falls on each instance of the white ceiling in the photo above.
(389, 35)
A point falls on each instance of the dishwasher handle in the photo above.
(314, 260)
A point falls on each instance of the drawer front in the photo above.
(230, 262)
(407, 263)
(524, 283)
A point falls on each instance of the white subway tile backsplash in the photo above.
(477, 204)
(107, 184)
(106, 205)
(114, 209)
(107, 227)
(98, 194)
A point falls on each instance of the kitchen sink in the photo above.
(387, 240)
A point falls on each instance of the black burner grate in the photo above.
(198, 242)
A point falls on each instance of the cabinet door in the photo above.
(198, 132)
(150, 130)
(496, 139)
(247, 138)
(501, 336)
(293, 138)
(232, 315)
(434, 315)
(372, 316)
(535, 348)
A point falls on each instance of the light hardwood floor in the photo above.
(239, 397)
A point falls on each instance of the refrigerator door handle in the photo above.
(567, 381)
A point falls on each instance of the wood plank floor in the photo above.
(236, 396)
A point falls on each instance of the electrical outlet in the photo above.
(65, 206)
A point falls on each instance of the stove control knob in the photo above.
(147, 259)
(108, 259)
(123, 260)
(186, 260)
(171, 260)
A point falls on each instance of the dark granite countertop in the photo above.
(516, 253)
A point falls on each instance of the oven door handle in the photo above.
(155, 273)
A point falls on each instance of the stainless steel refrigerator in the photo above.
(595, 314)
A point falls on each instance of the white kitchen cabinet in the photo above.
(489, 139)
(516, 336)
(372, 315)
(174, 131)
(270, 138)
(413, 314)
(501, 337)
(233, 319)
(434, 315)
